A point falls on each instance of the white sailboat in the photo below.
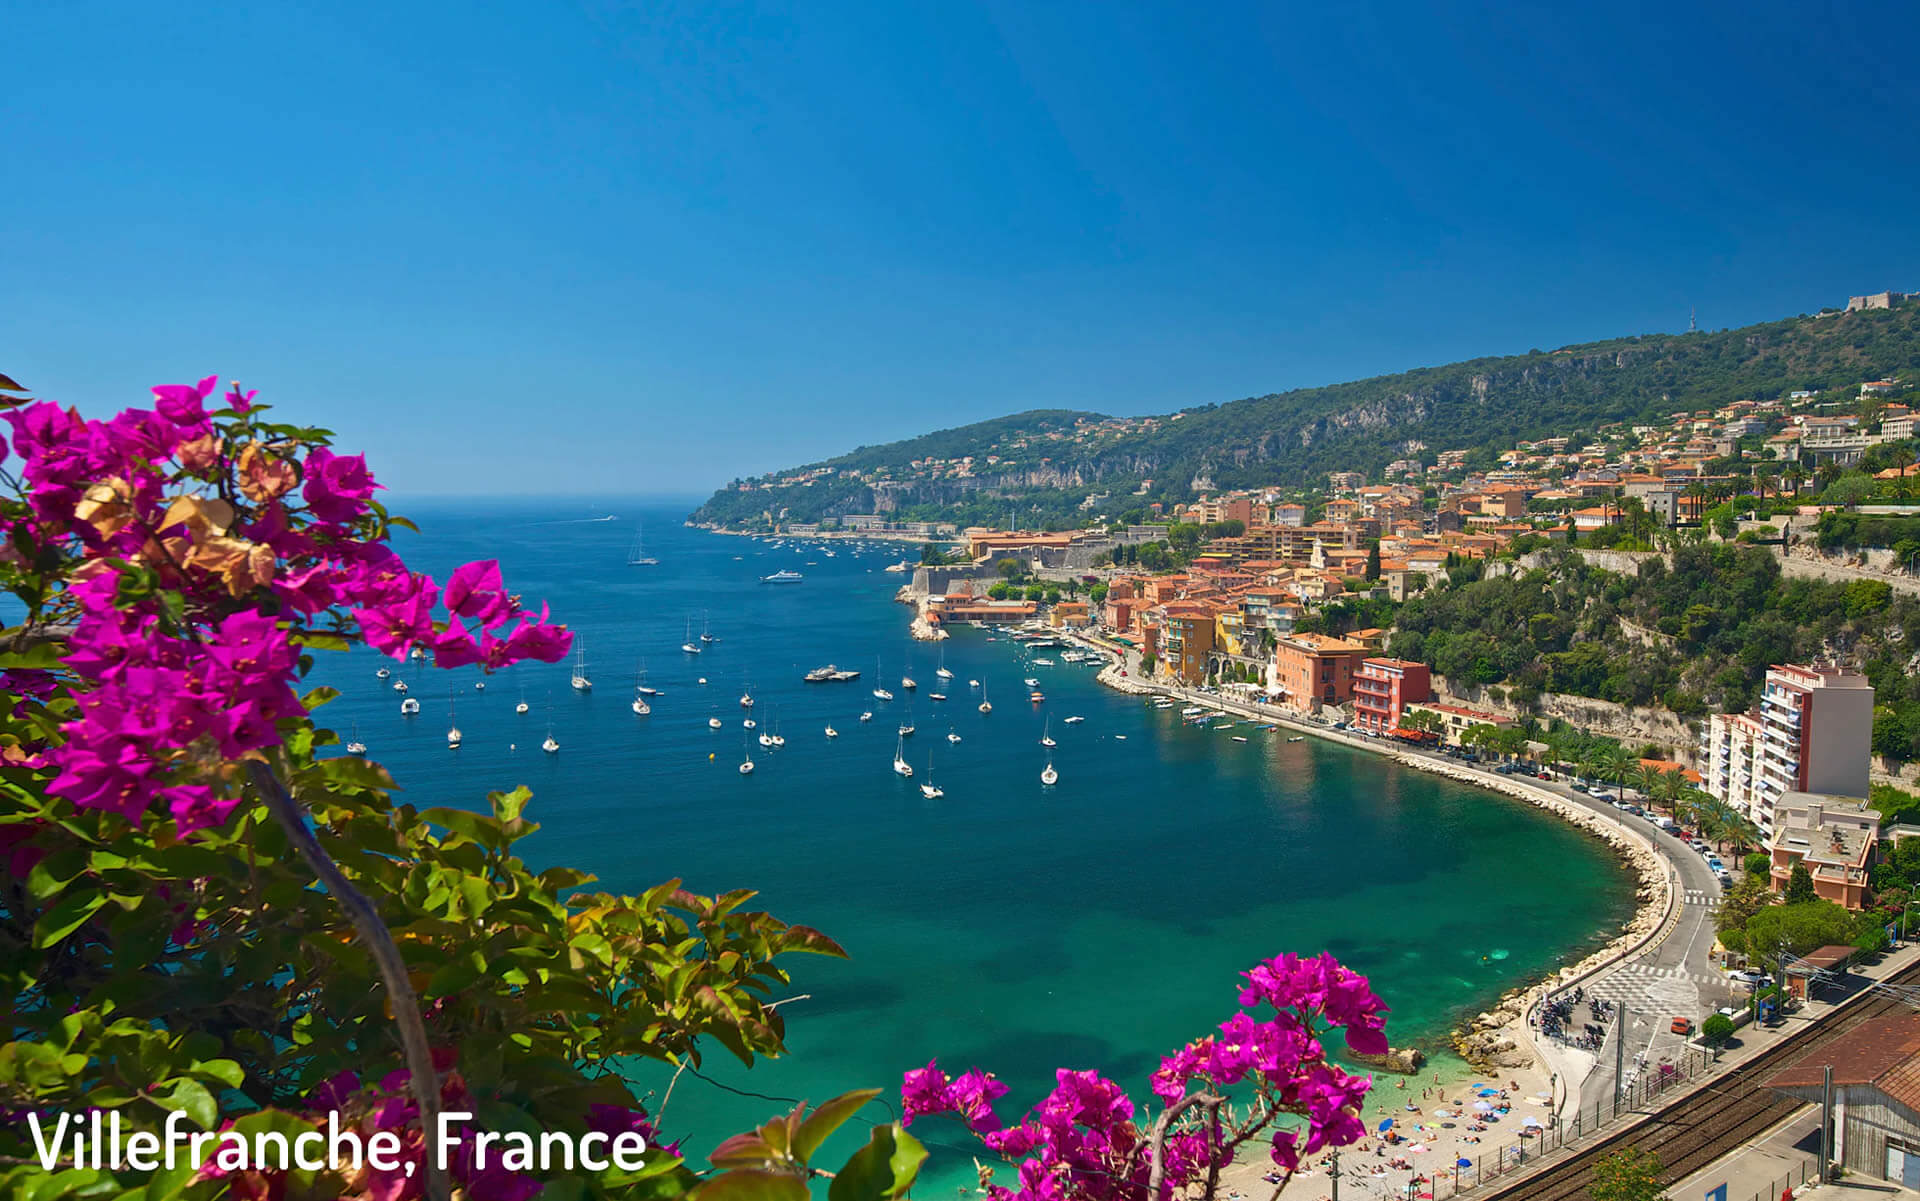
(867, 716)
(766, 739)
(1046, 735)
(1049, 776)
(707, 635)
(778, 739)
(713, 723)
(688, 645)
(900, 765)
(637, 555)
(746, 763)
(453, 727)
(383, 673)
(400, 686)
(907, 683)
(951, 736)
(522, 707)
(941, 670)
(930, 790)
(581, 681)
(354, 745)
(832, 733)
(986, 706)
(549, 746)
(643, 688)
(879, 691)
(746, 698)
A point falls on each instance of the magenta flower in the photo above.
(338, 486)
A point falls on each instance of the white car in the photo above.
(1748, 976)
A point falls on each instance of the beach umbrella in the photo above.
(1463, 1163)
(1489, 1092)
(1386, 1126)
(1529, 1121)
(1482, 1107)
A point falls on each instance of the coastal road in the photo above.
(1672, 977)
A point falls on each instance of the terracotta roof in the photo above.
(1883, 1052)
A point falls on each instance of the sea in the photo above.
(1097, 923)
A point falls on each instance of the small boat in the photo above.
(1046, 735)
(642, 687)
(637, 553)
(1076, 720)
(354, 745)
(383, 673)
(746, 698)
(832, 733)
(1297, 738)
(419, 652)
(581, 681)
(713, 723)
(749, 724)
(986, 706)
(900, 765)
(640, 706)
(936, 696)
(409, 707)
(883, 694)
(782, 577)
(1239, 737)
(1036, 696)
(479, 685)
(549, 746)
(746, 763)
(867, 716)
(906, 731)
(830, 675)
(688, 645)
(706, 635)
(1120, 737)
(1049, 776)
(907, 683)
(973, 683)
(1031, 682)
(778, 739)
(1043, 662)
(941, 670)
(400, 686)
(766, 739)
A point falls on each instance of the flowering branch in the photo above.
(422, 1080)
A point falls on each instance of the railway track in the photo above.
(1717, 1116)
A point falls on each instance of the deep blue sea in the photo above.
(1097, 923)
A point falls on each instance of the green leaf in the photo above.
(826, 1119)
(226, 1071)
(455, 975)
(66, 916)
(509, 805)
(55, 872)
(192, 1097)
(885, 1167)
(752, 1186)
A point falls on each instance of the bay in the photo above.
(1095, 924)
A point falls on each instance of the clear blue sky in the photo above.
(586, 247)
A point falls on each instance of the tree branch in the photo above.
(1157, 1141)
(422, 1080)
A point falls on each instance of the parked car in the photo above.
(1750, 977)
(1726, 880)
(1579, 786)
(1636, 810)
(1683, 1026)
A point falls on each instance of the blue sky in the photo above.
(605, 246)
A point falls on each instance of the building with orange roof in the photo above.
(1383, 688)
(1315, 670)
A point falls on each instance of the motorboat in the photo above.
(830, 675)
(1031, 682)
(746, 699)
(782, 577)
(1076, 720)
(906, 682)
(549, 746)
(409, 707)
(400, 686)
(1049, 776)
(952, 737)
(383, 673)
(713, 723)
(832, 733)
(867, 716)
(906, 731)
(936, 696)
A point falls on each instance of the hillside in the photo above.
(1048, 461)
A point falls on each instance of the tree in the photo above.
(1627, 1175)
(1798, 928)
(1759, 865)
(1717, 1030)
(1800, 885)
(1373, 559)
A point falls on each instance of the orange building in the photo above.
(1315, 670)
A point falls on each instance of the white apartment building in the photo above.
(1812, 733)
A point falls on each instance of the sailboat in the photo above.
(906, 727)
(640, 705)
(746, 698)
(453, 727)
(522, 706)
(642, 687)
(878, 691)
(867, 716)
(713, 723)
(705, 635)
(1046, 735)
(581, 681)
(1049, 776)
(383, 673)
(900, 765)
(906, 681)
(941, 670)
(354, 745)
(778, 739)
(986, 706)
(688, 645)
(549, 746)
(746, 764)
(637, 555)
(930, 790)
(766, 739)
(832, 733)
(400, 686)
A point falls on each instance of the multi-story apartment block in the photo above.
(1815, 733)
(1315, 669)
(1382, 690)
(1834, 838)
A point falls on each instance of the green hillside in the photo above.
(1049, 460)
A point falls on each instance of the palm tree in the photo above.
(1612, 761)
(1646, 780)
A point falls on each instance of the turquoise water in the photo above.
(1098, 923)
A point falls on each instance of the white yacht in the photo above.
(766, 739)
(688, 646)
(581, 681)
(400, 686)
(1046, 735)
(354, 745)
(549, 746)
(951, 736)
(986, 706)
(900, 765)
(713, 723)
(1075, 720)
(706, 635)
(637, 554)
(746, 698)
(930, 790)
(383, 673)
(867, 716)
(643, 688)
(779, 740)
(906, 682)
(832, 733)
(941, 670)
(746, 761)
